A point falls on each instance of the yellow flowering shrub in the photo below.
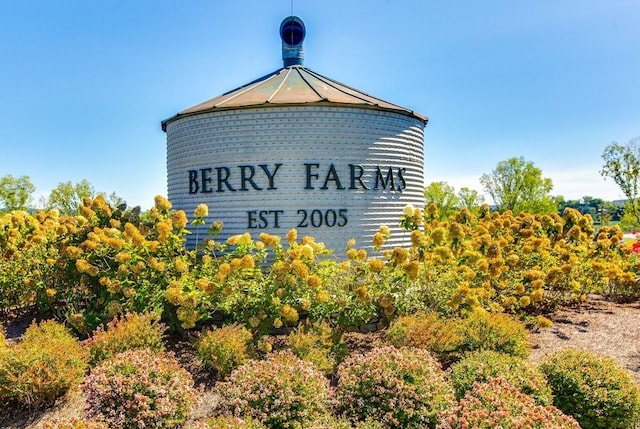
(92, 267)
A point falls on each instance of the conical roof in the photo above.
(293, 84)
(290, 86)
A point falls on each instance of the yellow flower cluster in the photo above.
(376, 265)
(201, 211)
(179, 220)
(314, 281)
(292, 236)
(239, 240)
(289, 314)
(270, 240)
(162, 204)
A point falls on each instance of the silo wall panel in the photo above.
(333, 173)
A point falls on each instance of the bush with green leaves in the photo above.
(441, 337)
(450, 339)
(317, 343)
(403, 387)
(132, 331)
(139, 388)
(482, 330)
(226, 348)
(498, 404)
(594, 389)
(478, 367)
(43, 366)
(281, 391)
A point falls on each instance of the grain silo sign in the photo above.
(295, 149)
(262, 177)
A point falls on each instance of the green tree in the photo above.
(442, 195)
(15, 193)
(622, 164)
(67, 196)
(115, 200)
(470, 199)
(517, 185)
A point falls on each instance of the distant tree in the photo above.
(442, 195)
(115, 201)
(470, 199)
(67, 196)
(15, 193)
(622, 164)
(602, 211)
(518, 185)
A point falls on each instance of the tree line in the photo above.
(519, 186)
(16, 193)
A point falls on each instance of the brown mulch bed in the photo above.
(599, 325)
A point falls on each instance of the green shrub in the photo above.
(449, 339)
(133, 331)
(498, 404)
(594, 389)
(441, 337)
(43, 366)
(139, 388)
(281, 391)
(482, 330)
(403, 387)
(478, 367)
(224, 349)
(315, 344)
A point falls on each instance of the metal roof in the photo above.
(292, 85)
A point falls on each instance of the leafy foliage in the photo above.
(15, 193)
(592, 388)
(494, 331)
(517, 185)
(402, 387)
(318, 344)
(132, 331)
(479, 367)
(43, 366)
(497, 403)
(463, 283)
(443, 196)
(226, 348)
(67, 197)
(281, 391)
(91, 267)
(449, 339)
(139, 388)
(441, 337)
(622, 164)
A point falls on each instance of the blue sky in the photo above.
(84, 85)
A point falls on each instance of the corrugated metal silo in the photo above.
(295, 149)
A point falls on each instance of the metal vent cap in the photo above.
(292, 32)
